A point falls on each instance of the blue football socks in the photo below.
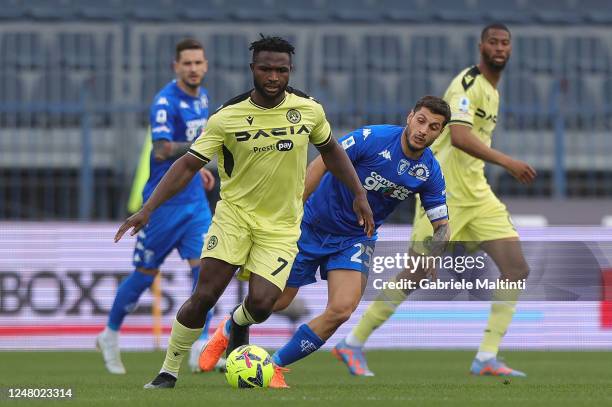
(302, 344)
(127, 296)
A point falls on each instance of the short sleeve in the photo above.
(209, 141)
(433, 195)
(321, 132)
(354, 143)
(463, 105)
(162, 120)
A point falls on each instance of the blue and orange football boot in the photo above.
(353, 358)
(493, 367)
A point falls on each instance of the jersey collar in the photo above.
(182, 92)
(266, 108)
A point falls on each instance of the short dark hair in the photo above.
(273, 44)
(494, 26)
(436, 105)
(187, 43)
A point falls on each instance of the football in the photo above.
(248, 367)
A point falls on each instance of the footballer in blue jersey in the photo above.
(392, 162)
(177, 114)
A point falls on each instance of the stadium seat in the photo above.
(333, 81)
(374, 104)
(534, 54)
(13, 95)
(49, 9)
(222, 87)
(508, 11)
(607, 103)
(431, 53)
(151, 10)
(338, 95)
(577, 103)
(63, 98)
(554, 11)
(113, 10)
(249, 10)
(521, 105)
(201, 10)
(11, 10)
(596, 11)
(585, 55)
(22, 50)
(410, 88)
(229, 52)
(101, 96)
(77, 50)
(404, 11)
(383, 53)
(455, 11)
(298, 10)
(338, 53)
(355, 10)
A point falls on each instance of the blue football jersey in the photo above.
(176, 116)
(386, 173)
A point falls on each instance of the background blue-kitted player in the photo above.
(178, 113)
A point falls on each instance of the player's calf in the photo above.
(331, 319)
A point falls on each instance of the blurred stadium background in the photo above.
(77, 78)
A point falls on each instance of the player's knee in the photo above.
(260, 308)
(523, 271)
(337, 314)
(519, 270)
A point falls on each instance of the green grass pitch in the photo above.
(407, 378)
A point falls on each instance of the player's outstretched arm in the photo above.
(315, 171)
(177, 177)
(339, 164)
(463, 139)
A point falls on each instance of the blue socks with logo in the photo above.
(302, 344)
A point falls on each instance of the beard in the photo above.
(413, 148)
(494, 66)
(262, 91)
(190, 84)
(193, 85)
